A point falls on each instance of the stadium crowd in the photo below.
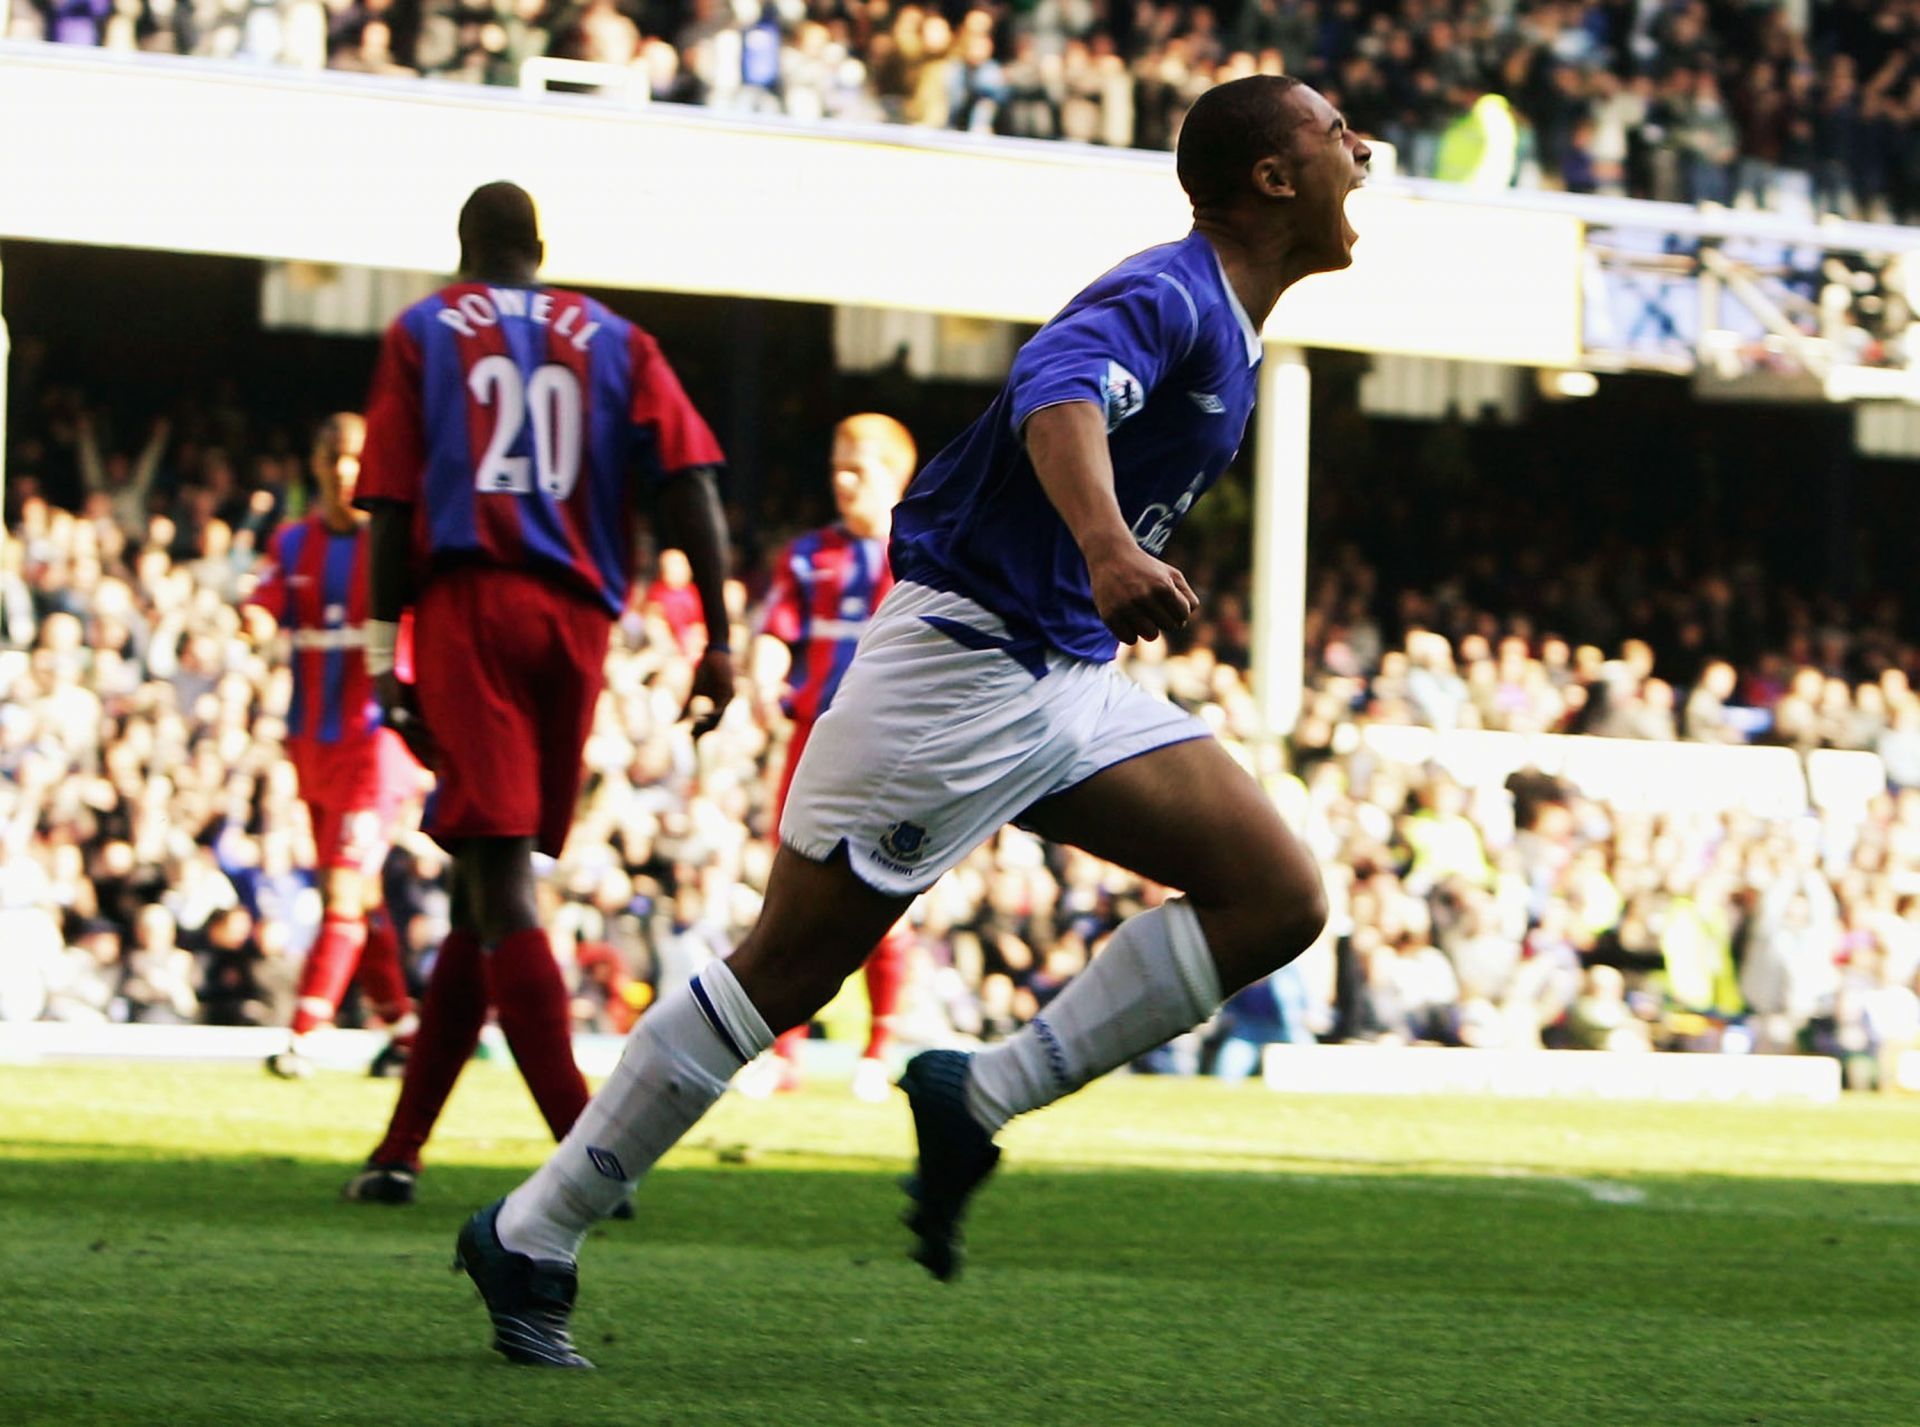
(1455, 665)
(1700, 100)
(152, 847)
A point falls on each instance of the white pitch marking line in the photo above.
(1607, 1191)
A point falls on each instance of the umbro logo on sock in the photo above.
(607, 1163)
(1055, 1052)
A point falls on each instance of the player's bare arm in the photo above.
(389, 593)
(390, 570)
(1138, 596)
(692, 521)
(259, 625)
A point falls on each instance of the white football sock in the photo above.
(677, 1063)
(1155, 980)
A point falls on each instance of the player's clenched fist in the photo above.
(712, 691)
(400, 709)
(1138, 596)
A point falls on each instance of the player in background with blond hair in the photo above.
(826, 586)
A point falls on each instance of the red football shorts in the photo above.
(354, 792)
(508, 667)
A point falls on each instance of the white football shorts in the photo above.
(938, 737)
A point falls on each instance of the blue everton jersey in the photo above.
(1164, 347)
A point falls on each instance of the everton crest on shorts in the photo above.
(907, 795)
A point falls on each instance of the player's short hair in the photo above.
(499, 220)
(893, 439)
(1228, 130)
(330, 438)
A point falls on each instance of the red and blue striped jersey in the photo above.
(314, 584)
(826, 587)
(514, 421)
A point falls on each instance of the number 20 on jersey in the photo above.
(550, 399)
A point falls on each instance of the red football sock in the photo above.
(381, 976)
(329, 968)
(787, 1045)
(887, 971)
(451, 1016)
(530, 999)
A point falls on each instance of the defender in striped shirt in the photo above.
(356, 775)
(513, 430)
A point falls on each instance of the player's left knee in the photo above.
(506, 917)
(1288, 906)
(501, 887)
(1301, 917)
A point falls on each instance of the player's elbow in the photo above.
(690, 498)
(690, 508)
(692, 483)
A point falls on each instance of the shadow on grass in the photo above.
(150, 1288)
(1303, 1229)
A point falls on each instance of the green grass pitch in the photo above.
(172, 1251)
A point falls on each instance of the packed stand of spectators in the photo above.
(1687, 577)
(152, 847)
(1699, 100)
(1524, 914)
(1452, 665)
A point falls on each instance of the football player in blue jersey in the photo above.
(983, 691)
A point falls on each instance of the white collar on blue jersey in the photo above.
(1248, 332)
